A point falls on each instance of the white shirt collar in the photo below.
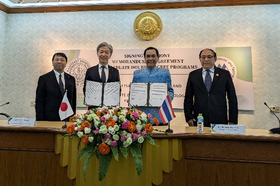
(211, 69)
(99, 66)
(57, 73)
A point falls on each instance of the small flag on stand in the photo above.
(65, 109)
(166, 111)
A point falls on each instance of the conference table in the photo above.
(36, 155)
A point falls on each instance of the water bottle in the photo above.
(200, 123)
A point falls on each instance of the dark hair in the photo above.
(103, 44)
(214, 53)
(151, 48)
(59, 54)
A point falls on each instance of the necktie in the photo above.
(208, 80)
(103, 76)
(61, 87)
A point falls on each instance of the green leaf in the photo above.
(124, 151)
(65, 135)
(115, 152)
(89, 155)
(137, 154)
(83, 152)
(104, 162)
(151, 140)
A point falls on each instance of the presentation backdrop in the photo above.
(179, 61)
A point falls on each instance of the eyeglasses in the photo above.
(152, 56)
(204, 57)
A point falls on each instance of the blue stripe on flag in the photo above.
(166, 110)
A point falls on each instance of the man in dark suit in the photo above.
(102, 72)
(211, 103)
(51, 88)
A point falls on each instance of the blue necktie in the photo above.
(61, 87)
(103, 76)
(208, 80)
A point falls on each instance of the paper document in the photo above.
(93, 93)
(138, 94)
(112, 94)
(158, 92)
(102, 94)
(147, 94)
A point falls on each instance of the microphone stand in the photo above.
(5, 104)
(4, 114)
(169, 130)
(274, 130)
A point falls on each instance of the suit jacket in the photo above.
(49, 97)
(212, 105)
(93, 75)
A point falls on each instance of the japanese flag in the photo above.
(65, 109)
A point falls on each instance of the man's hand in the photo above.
(190, 122)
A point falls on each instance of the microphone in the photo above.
(5, 104)
(5, 115)
(274, 130)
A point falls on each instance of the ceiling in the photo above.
(83, 2)
(36, 6)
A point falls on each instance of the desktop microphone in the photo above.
(274, 130)
(5, 104)
(5, 115)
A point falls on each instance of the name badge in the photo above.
(22, 121)
(227, 129)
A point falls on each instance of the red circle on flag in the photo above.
(63, 107)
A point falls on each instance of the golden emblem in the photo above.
(147, 25)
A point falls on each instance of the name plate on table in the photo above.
(22, 121)
(227, 129)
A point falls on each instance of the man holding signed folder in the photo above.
(94, 87)
(150, 85)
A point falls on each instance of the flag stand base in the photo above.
(169, 130)
(64, 126)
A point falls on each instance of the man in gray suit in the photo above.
(51, 88)
(206, 93)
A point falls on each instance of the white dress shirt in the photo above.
(57, 77)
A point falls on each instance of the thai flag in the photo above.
(166, 111)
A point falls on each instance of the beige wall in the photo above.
(3, 20)
(31, 40)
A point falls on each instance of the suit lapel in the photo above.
(67, 81)
(96, 73)
(200, 79)
(54, 81)
(110, 71)
(216, 76)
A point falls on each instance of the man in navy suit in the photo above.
(110, 74)
(211, 103)
(51, 88)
